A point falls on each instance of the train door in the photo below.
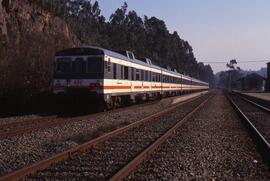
(109, 71)
(127, 77)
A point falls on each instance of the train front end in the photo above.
(78, 77)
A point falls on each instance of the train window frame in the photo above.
(114, 71)
(153, 77)
(132, 73)
(121, 72)
(137, 74)
(142, 75)
(126, 72)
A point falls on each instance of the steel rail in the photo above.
(21, 173)
(253, 103)
(57, 121)
(264, 145)
(133, 164)
(14, 124)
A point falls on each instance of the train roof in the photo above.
(123, 57)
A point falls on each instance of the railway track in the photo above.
(256, 100)
(20, 127)
(256, 118)
(115, 154)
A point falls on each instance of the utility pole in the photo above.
(230, 81)
(231, 66)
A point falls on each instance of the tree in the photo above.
(229, 78)
(125, 30)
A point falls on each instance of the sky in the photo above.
(218, 30)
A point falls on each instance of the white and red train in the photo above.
(97, 74)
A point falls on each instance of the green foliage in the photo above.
(230, 79)
(148, 37)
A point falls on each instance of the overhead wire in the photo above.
(252, 61)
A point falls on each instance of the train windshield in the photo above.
(79, 66)
(63, 65)
(94, 65)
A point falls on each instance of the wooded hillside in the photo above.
(125, 30)
(31, 31)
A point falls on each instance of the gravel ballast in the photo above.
(258, 117)
(19, 151)
(106, 158)
(212, 145)
(14, 119)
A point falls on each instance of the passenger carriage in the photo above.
(99, 75)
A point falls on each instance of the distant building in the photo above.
(267, 84)
(252, 82)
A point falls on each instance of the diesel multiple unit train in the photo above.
(116, 78)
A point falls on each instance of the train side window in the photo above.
(142, 75)
(114, 71)
(184, 81)
(122, 71)
(126, 72)
(146, 76)
(150, 76)
(137, 74)
(132, 73)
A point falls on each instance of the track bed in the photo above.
(105, 159)
(212, 145)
